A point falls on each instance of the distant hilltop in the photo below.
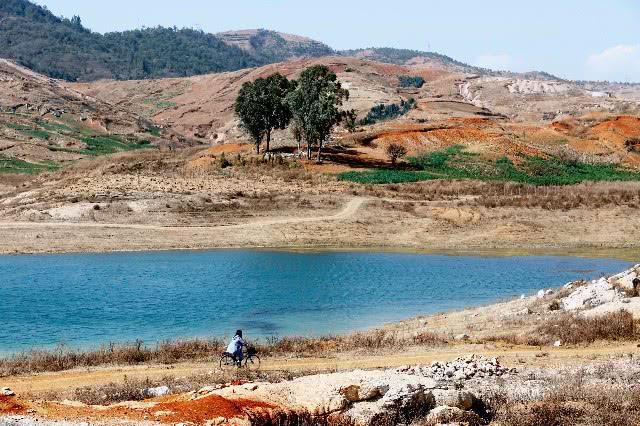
(63, 48)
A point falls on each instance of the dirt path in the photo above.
(349, 209)
(510, 356)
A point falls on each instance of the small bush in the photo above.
(411, 81)
(384, 112)
(396, 151)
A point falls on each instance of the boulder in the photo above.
(444, 415)
(156, 392)
(454, 398)
(7, 392)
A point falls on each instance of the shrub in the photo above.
(384, 112)
(411, 81)
(395, 151)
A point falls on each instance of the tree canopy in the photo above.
(315, 105)
(262, 108)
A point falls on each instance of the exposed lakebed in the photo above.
(84, 300)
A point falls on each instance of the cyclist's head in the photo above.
(239, 333)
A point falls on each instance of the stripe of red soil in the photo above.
(10, 405)
(200, 410)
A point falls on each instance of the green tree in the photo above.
(350, 120)
(315, 105)
(261, 107)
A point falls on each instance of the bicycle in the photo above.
(251, 359)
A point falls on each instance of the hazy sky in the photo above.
(578, 39)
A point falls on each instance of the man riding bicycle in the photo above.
(235, 347)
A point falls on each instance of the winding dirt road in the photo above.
(349, 209)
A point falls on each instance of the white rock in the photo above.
(593, 294)
(443, 414)
(557, 343)
(454, 398)
(540, 294)
(156, 392)
(462, 336)
(7, 392)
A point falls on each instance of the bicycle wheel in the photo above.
(227, 362)
(252, 362)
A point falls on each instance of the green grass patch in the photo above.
(31, 132)
(109, 144)
(54, 127)
(382, 176)
(455, 163)
(155, 131)
(13, 165)
(159, 104)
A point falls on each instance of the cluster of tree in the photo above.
(411, 81)
(384, 112)
(63, 48)
(309, 105)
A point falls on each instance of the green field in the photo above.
(456, 163)
(96, 144)
(12, 165)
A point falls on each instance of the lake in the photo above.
(84, 300)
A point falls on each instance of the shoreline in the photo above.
(622, 253)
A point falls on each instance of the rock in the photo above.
(593, 294)
(522, 297)
(372, 389)
(557, 344)
(156, 392)
(540, 294)
(462, 336)
(351, 392)
(454, 398)
(444, 414)
(7, 392)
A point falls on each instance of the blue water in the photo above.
(90, 299)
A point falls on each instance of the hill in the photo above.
(411, 57)
(63, 48)
(45, 126)
(271, 46)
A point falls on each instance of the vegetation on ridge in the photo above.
(456, 163)
(63, 48)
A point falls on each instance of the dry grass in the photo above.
(63, 358)
(170, 352)
(573, 403)
(574, 330)
(132, 389)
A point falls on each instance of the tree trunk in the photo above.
(320, 151)
(308, 150)
(258, 147)
(268, 139)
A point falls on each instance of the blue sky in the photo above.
(587, 39)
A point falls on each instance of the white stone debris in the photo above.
(156, 392)
(472, 366)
